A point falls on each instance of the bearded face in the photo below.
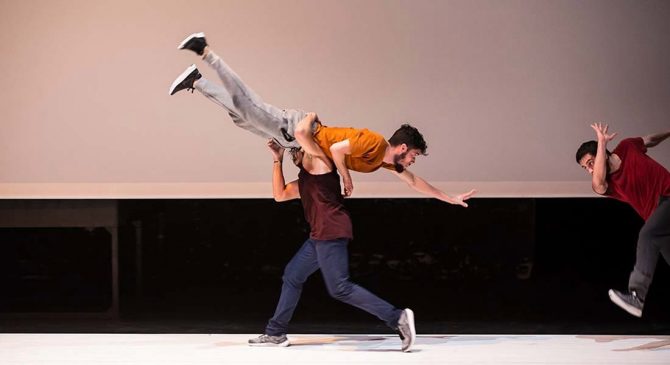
(403, 160)
(397, 162)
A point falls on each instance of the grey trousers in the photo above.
(654, 239)
(246, 108)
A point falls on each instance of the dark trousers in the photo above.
(332, 257)
(654, 239)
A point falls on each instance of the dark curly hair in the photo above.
(411, 137)
(588, 147)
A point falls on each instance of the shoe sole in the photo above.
(281, 344)
(181, 78)
(194, 35)
(412, 329)
(625, 306)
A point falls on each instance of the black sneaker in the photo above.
(267, 340)
(630, 302)
(185, 80)
(406, 329)
(195, 42)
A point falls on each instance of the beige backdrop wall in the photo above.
(503, 91)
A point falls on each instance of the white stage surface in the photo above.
(74, 349)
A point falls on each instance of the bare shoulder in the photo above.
(316, 165)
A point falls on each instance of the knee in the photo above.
(341, 290)
(646, 236)
(304, 127)
(300, 131)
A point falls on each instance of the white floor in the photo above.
(75, 349)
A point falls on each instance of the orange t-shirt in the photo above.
(367, 147)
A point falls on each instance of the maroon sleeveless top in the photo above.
(322, 200)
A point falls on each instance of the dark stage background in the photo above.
(501, 266)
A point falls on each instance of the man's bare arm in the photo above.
(599, 177)
(654, 139)
(339, 151)
(422, 186)
(280, 190)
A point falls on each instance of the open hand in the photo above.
(601, 132)
(461, 198)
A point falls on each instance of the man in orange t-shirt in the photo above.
(350, 149)
(365, 151)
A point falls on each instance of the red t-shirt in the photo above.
(640, 181)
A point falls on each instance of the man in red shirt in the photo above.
(318, 188)
(628, 174)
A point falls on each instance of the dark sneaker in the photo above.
(630, 302)
(406, 329)
(195, 42)
(185, 80)
(267, 340)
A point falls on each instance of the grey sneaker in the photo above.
(195, 42)
(630, 302)
(185, 80)
(406, 329)
(267, 340)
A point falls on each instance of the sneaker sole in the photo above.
(281, 344)
(194, 35)
(412, 329)
(181, 78)
(625, 306)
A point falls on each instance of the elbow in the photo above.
(600, 189)
(280, 198)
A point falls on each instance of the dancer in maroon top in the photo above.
(318, 187)
(628, 174)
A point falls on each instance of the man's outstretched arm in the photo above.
(654, 139)
(422, 186)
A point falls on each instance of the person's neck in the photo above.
(388, 155)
